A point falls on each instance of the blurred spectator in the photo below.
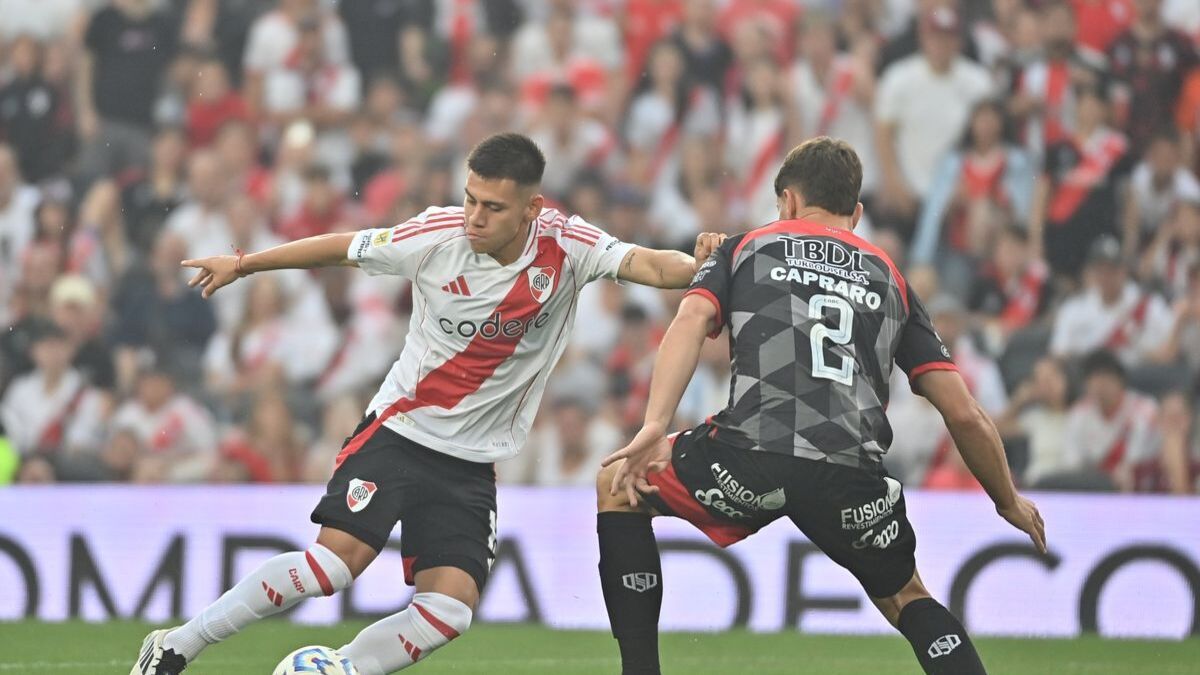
(1179, 468)
(376, 28)
(571, 142)
(1037, 413)
(1075, 201)
(1183, 340)
(323, 209)
(176, 435)
(907, 40)
(706, 54)
(1102, 21)
(147, 204)
(158, 318)
(200, 221)
(833, 91)
(1111, 312)
(237, 147)
(666, 109)
(985, 183)
(18, 202)
(338, 421)
(569, 445)
(274, 46)
(755, 137)
(52, 408)
(129, 45)
(76, 311)
(1158, 184)
(568, 47)
(266, 349)
(317, 89)
(773, 19)
(212, 102)
(1174, 251)
(1045, 97)
(1150, 61)
(1010, 289)
(645, 23)
(1112, 433)
(269, 450)
(913, 132)
(35, 117)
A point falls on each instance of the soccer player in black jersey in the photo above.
(817, 317)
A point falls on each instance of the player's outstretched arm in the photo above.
(673, 369)
(667, 269)
(982, 450)
(323, 250)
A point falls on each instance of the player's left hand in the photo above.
(648, 452)
(706, 243)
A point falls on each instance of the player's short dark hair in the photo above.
(508, 156)
(1102, 362)
(826, 172)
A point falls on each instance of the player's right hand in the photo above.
(706, 243)
(648, 452)
(215, 272)
(1024, 516)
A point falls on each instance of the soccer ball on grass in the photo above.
(315, 660)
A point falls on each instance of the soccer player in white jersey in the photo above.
(495, 286)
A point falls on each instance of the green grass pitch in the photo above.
(32, 648)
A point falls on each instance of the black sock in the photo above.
(631, 578)
(939, 640)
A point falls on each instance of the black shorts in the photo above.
(856, 516)
(447, 505)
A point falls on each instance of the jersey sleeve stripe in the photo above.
(707, 294)
(427, 230)
(583, 228)
(582, 233)
(411, 225)
(927, 367)
(571, 235)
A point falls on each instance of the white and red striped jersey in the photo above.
(483, 336)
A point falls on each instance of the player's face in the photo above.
(497, 212)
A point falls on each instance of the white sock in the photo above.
(430, 621)
(276, 585)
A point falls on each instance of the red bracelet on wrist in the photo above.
(238, 265)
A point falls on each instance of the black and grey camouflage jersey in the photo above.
(817, 316)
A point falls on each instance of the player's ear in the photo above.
(534, 208)
(856, 216)
(789, 204)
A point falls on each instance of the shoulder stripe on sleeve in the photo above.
(572, 235)
(427, 230)
(584, 228)
(583, 235)
(417, 225)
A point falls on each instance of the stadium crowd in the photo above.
(1030, 165)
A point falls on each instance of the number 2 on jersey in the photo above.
(844, 372)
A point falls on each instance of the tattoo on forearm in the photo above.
(629, 261)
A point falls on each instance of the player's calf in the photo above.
(400, 640)
(275, 586)
(630, 576)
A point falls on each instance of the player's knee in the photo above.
(605, 500)
(891, 606)
(352, 553)
(447, 617)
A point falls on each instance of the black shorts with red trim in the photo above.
(856, 516)
(446, 505)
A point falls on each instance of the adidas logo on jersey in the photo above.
(458, 287)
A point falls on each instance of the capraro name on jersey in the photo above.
(493, 327)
